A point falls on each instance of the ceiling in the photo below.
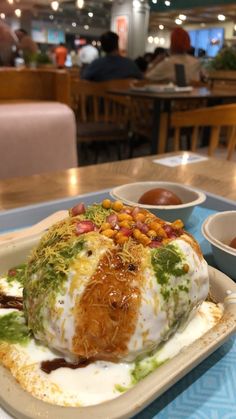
(67, 12)
(160, 14)
(198, 15)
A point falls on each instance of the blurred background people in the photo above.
(87, 54)
(8, 41)
(60, 55)
(113, 65)
(26, 46)
(165, 70)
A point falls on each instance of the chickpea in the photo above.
(154, 225)
(152, 233)
(121, 239)
(144, 239)
(106, 203)
(137, 233)
(126, 224)
(161, 232)
(109, 232)
(117, 206)
(105, 226)
(139, 217)
(124, 216)
(178, 224)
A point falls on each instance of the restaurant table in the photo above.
(208, 391)
(162, 104)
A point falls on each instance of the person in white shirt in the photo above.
(164, 71)
(87, 54)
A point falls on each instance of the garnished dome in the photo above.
(112, 282)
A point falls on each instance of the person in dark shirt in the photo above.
(112, 66)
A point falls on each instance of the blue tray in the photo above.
(209, 390)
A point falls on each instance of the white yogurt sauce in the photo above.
(98, 381)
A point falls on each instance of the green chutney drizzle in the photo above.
(13, 328)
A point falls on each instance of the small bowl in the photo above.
(131, 192)
(219, 229)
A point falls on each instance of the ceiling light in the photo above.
(161, 27)
(86, 27)
(156, 40)
(18, 12)
(162, 41)
(98, 43)
(150, 39)
(74, 24)
(2, 15)
(90, 14)
(182, 17)
(178, 21)
(235, 27)
(51, 17)
(221, 17)
(167, 3)
(94, 43)
(10, 1)
(154, 1)
(80, 4)
(55, 5)
(203, 25)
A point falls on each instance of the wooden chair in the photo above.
(26, 85)
(215, 117)
(101, 118)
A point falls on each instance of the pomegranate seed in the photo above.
(84, 227)
(78, 209)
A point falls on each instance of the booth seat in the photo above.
(36, 137)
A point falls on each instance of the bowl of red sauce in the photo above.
(167, 200)
(220, 231)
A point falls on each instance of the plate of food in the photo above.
(163, 88)
(104, 311)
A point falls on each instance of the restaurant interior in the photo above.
(123, 103)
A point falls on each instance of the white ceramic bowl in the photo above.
(131, 192)
(219, 229)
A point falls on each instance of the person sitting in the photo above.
(164, 71)
(26, 44)
(113, 66)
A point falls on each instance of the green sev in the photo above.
(13, 328)
(97, 214)
(17, 274)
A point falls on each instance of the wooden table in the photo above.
(162, 105)
(212, 175)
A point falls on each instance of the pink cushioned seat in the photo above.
(36, 137)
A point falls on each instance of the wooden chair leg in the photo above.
(163, 133)
(176, 139)
(231, 143)
(195, 136)
(214, 140)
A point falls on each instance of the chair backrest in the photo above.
(18, 85)
(214, 117)
(93, 103)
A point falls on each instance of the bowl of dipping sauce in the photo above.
(167, 200)
(220, 230)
